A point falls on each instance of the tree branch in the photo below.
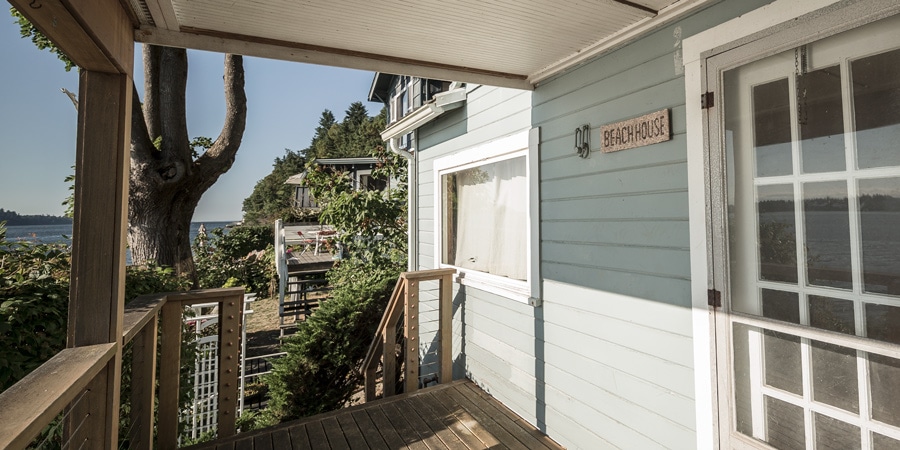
(151, 55)
(172, 88)
(141, 144)
(219, 158)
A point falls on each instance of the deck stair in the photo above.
(396, 345)
(304, 292)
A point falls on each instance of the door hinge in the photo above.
(707, 100)
(714, 298)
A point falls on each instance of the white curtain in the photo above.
(490, 233)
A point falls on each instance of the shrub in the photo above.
(321, 369)
(34, 288)
(243, 256)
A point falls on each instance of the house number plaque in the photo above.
(637, 132)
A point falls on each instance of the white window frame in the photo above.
(749, 27)
(524, 143)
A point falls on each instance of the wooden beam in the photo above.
(307, 53)
(96, 35)
(32, 403)
(97, 288)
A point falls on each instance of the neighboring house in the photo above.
(358, 169)
(592, 274)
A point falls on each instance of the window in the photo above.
(806, 246)
(484, 198)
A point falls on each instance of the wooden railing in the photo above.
(31, 404)
(404, 303)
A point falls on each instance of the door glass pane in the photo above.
(879, 216)
(831, 314)
(834, 376)
(821, 117)
(883, 323)
(884, 443)
(833, 434)
(884, 373)
(784, 369)
(772, 128)
(876, 105)
(784, 424)
(827, 226)
(781, 305)
(777, 238)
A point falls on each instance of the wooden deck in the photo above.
(456, 415)
(309, 262)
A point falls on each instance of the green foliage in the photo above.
(272, 199)
(357, 135)
(244, 256)
(202, 143)
(371, 225)
(34, 288)
(320, 371)
(69, 202)
(28, 31)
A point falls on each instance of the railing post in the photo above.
(389, 361)
(143, 386)
(445, 328)
(411, 332)
(229, 358)
(169, 375)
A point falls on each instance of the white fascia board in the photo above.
(444, 101)
(619, 39)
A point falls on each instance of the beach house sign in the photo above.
(637, 132)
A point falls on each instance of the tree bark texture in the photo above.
(166, 181)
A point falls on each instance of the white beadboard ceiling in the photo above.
(514, 43)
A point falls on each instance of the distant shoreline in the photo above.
(20, 221)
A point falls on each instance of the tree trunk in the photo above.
(167, 180)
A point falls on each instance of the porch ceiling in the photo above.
(514, 43)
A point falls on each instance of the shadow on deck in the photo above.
(456, 415)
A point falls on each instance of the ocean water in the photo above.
(46, 234)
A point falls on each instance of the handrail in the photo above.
(31, 404)
(405, 299)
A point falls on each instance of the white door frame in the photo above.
(775, 17)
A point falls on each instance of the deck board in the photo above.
(369, 430)
(456, 416)
(300, 438)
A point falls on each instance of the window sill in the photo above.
(517, 290)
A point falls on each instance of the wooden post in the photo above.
(411, 331)
(389, 364)
(97, 289)
(143, 386)
(169, 371)
(445, 329)
(230, 311)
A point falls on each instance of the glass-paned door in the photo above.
(811, 143)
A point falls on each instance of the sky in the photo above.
(38, 121)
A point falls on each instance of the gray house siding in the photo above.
(485, 325)
(615, 250)
(607, 361)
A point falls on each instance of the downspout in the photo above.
(412, 201)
